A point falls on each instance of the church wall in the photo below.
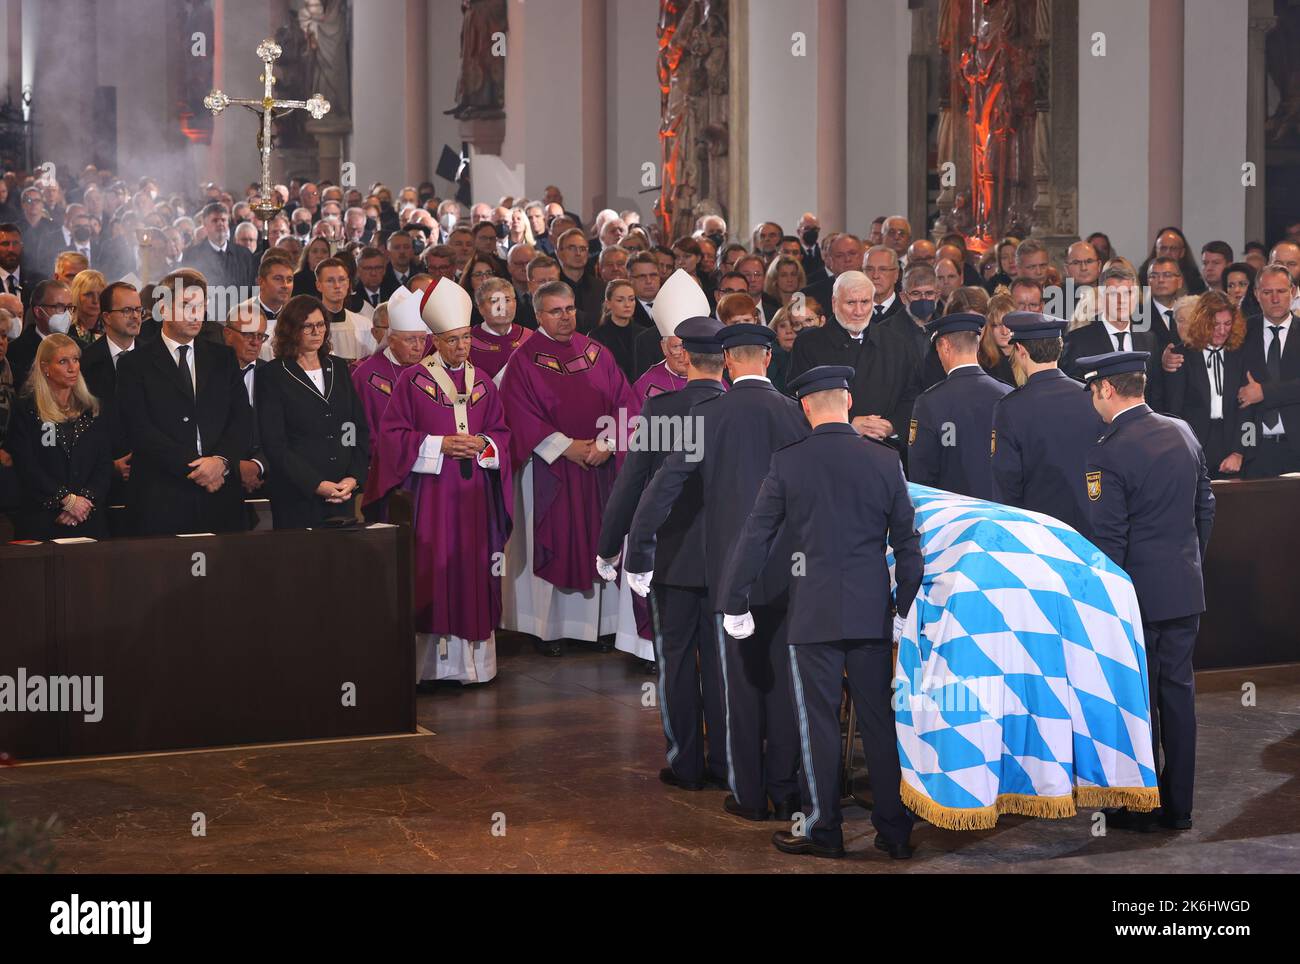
(1114, 93)
(782, 96)
(443, 68)
(877, 41)
(378, 145)
(1214, 122)
(632, 136)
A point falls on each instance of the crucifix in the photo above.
(267, 205)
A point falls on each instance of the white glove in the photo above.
(899, 622)
(607, 569)
(639, 582)
(739, 627)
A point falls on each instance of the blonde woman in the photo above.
(60, 446)
(784, 277)
(86, 288)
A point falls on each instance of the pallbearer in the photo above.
(741, 430)
(375, 377)
(1152, 509)
(952, 421)
(840, 498)
(443, 437)
(683, 627)
(1043, 430)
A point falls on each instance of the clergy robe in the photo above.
(657, 380)
(460, 524)
(374, 379)
(489, 352)
(350, 336)
(554, 393)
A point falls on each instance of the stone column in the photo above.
(415, 102)
(1261, 22)
(831, 97)
(1165, 158)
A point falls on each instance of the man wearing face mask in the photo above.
(50, 312)
(920, 298)
(808, 231)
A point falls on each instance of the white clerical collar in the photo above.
(500, 334)
(761, 378)
(543, 331)
(388, 353)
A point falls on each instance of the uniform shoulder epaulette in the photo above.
(790, 445)
(938, 384)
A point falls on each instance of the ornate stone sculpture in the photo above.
(481, 87)
(694, 123)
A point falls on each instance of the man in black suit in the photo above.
(881, 265)
(401, 263)
(120, 309)
(369, 288)
(952, 421)
(588, 292)
(1115, 330)
(36, 227)
(188, 423)
(542, 270)
(245, 337)
(845, 254)
(808, 230)
(887, 375)
(222, 262)
(829, 491)
(911, 311)
(1272, 378)
(51, 304)
(741, 429)
(14, 278)
(1165, 279)
(1152, 509)
(685, 636)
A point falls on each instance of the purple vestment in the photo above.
(460, 524)
(565, 387)
(489, 352)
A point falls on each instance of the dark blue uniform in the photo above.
(1152, 510)
(1042, 434)
(947, 444)
(741, 430)
(685, 638)
(838, 497)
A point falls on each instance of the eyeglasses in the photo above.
(561, 312)
(256, 337)
(129, 312)
(1165, 275)
(313, 326)
(66, 306)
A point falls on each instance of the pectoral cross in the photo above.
(267, 205)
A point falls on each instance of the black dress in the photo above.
(621, 340)
(309, 437)
(80, 462)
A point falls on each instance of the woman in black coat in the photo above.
(64, 484)
(1213, 366)
(313, 429)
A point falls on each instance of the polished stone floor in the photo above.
(552, 768)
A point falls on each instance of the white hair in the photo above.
(850, 279)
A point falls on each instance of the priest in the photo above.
(563, 395)
(670, 375)
(443, 438)
(375, 377)
(497, 338)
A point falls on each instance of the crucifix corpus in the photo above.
(267, 205)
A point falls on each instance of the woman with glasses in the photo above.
(60, 447)
(478, 269)
(312, 427)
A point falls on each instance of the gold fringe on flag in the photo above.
(1141, 799)
(1053, 808)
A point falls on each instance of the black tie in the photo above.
(1273, 363)
(374, 300)
(1215, 364)
(11, 285)
(1119, 340)
(877, 312)
(181, 352)
(1169, 324)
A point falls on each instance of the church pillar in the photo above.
(1165, 65)
(831, 98)
(595, 107)
(414, 101)
(11, 48)
(378, 144)
(1215, 88)
(1261, 22)
(632, 137)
